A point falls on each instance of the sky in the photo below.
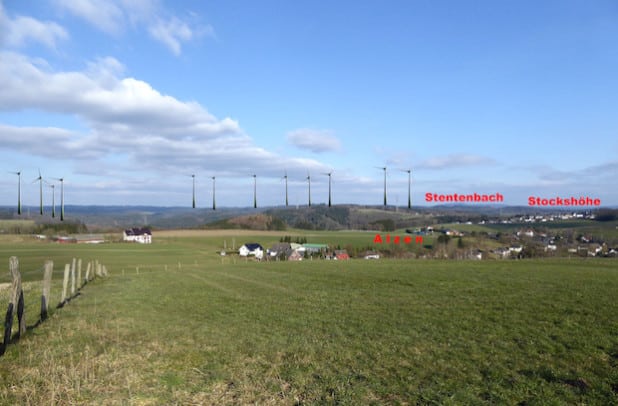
(126, 99)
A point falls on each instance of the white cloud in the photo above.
(126, 117)
(455, 160)
(18, 31)
(111, 16)
(103, 14)
(49, 142)
(171, 33)
(314, 140)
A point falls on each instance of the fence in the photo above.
(72, 274)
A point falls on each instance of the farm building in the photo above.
(371, 255)
(341, 255)
(251, 249)
(315, 248)
(297, 247)
(295, 256)
(139, 235)
(282, 249)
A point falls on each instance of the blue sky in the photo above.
(126, 99)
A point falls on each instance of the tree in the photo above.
(443, 239)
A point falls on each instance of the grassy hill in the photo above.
(175, 323)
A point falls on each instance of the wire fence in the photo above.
(16, 292)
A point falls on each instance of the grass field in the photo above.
(193, 328)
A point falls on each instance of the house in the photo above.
(551, 247)
(526, 233)
(516, 249)
(139, 235)
(251, 249)
(341, 255)
(282, 249)
(297, 247)
(295, 256)
(502, 252)
(314, 248)
(371, 255)
(476, 254)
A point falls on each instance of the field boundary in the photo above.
(16, 305)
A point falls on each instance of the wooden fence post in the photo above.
(65, 283)
(8, 323)
(8, 320)
(73, 277)
(87, 278)
(17, 295)
(79, 274)
(47, 276)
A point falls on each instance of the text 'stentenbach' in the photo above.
(464, 198)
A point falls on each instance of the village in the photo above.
(559, 234)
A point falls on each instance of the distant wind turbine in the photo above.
(61, 198)
(286, 188)
(18, 191)
(53, 188)
(254, 191)
(384, 169)
(329, 179)
(409, 171)
(193, 176)
(309, 183)
(214, 206)
(40, 180)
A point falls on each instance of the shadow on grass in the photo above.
(8, 321)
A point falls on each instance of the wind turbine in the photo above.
(384, 169)
(329, 179)
(61, 198)
(286, 188)
(18, 191)
(409, 171)
(254, 191)
(53, 188)
(214, 206)
(193, 176)
(40, 180)
(309, 183)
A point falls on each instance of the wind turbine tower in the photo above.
(53, 188)
(286, 188)
(193, 176)
(329, 188)
(309, 182)
(40, 180)
(18, 191)
(61, 198)
(254, 191)
(214, 206)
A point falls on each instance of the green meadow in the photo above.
(175, 323)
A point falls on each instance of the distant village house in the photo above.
(251, 249)
(139, 235)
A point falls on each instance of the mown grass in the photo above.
(190, 328)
